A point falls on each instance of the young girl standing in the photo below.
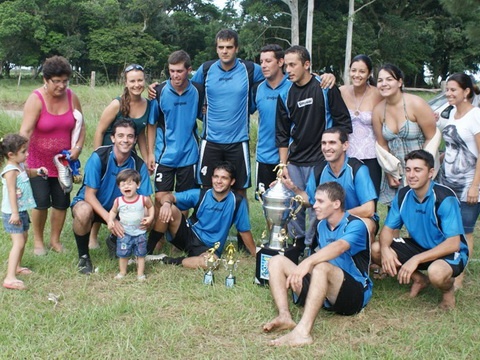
(17, 198)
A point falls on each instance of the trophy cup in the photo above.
(280, 205)
(211, 262)
(230, 262)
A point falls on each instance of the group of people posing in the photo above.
(344, 149)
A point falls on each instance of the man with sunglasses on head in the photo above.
(99, 189)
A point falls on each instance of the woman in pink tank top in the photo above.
(48, 122)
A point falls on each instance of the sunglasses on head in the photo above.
(133, 67)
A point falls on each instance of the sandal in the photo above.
(24, 271)
(15, 285)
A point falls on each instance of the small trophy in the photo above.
(211, 262)
(230, 262)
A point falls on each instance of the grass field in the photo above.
(174, 316)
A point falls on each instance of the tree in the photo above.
(348, 46)
(294, 23)
(21, 33)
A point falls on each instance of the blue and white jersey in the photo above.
(176, 116)
(354, 178)
(356, 260)
(214, 218)
(227, 96)
(106, 183)
(265, 101)
(431, 221)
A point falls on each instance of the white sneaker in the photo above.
(141, 278)
(158, 257)
(64, 173)
(119, 276)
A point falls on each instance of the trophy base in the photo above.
(265, 254)
(208, 278)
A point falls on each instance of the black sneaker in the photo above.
(111, 242)
(172, 261)
(85, 265)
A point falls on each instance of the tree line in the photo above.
(105, 35)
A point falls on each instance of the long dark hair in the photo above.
(367, 61)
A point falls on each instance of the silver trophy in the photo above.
(211, 262)
(230, 262)
(280, 205)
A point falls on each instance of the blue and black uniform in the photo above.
(265, 101)
(302, 116)
(211, 221)
(176, 144)
(357, 286)
(354, 178)
(226, 122)
(429, 223)
(101, 172)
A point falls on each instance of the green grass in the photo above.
(174, 316)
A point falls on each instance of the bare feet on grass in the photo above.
(293, 338)
(279, 323)
(419, 283)
(458, 284)
(448, 300)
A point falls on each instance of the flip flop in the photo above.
(24, 271)
(15, 285)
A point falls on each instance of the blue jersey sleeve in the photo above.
(355, 234)
(198, 77)
(92, 176)
(394, 219)
(187, 199)
(242, 221)
(153, 115)
(145, 185)
(257, 73)
(364, 186)
(450, 217)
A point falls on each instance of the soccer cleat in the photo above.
(155, 257)
(64, 173)
(85, 265)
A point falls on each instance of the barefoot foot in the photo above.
(417, 286)
(293, 338)
(448, 300)
(279, 323)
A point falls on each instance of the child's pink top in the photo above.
(51, 135)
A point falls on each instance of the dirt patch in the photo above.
(7, 105)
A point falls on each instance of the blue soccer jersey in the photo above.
(103, 178)
(176, 116)
(227, 96)
(356, 260)
(265, 101)
(431, 221)
(214, 218)
(354, 178)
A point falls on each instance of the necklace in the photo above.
(357, 106)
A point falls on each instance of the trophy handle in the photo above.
(298, 199)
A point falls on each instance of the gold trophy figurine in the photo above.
(230, 262)
(211, 262)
